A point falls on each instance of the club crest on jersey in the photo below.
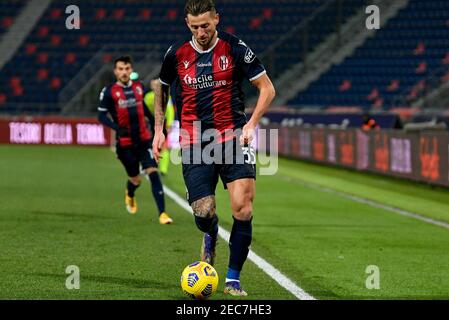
(186, 64)
(249, 56)
(223, 63)
(139, 91)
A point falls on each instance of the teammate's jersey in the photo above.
(209, 83)
(126, 106)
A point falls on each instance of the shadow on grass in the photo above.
(71, 215)
(126, 282)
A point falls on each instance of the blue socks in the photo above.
(239, 242)
(158, 191)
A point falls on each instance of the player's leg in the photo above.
(131, 164)
(149, 166)
(158, 194)
(206, 219)
(201, 181)
(130, 198)
(241, 193)
(239, 178)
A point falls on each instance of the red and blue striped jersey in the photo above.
(209, 84)
(126, 106)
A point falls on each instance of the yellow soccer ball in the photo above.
(199, 280)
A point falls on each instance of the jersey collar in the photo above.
(197, 49)
(129, 84)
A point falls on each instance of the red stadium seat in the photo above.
(42, 74)
(393, 86)
(255, 23)
(422, 67)
(15, 82)
(345, 85)
(55, 40)
(172, 14)
(107, 58)
(55, 83)
(420, 49)
(100, 14)
(55, 13)
(374, 94)
(145, 14)
(43, 31)
(30, 49)
(7, 22)
(42, 58)
(17, 92)
(84, 40)
(70, 58)
(118, 14)
(267, 13)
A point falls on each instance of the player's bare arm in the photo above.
(266, 96)
(160, 105)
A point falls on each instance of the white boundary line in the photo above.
(271, 271)
(371, 203)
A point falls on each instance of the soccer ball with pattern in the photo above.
(199, 280)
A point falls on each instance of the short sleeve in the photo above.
(168, 69)
(249, 63)
(106, 101)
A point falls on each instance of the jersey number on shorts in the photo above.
(249, 154)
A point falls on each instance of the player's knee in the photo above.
(135, 180)
(244, 212)
(243, 208)
(205, 207)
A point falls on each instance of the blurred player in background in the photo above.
(164, 160)
(123, 101)
(208, 70)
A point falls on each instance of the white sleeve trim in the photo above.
(166, 84)
(102, 109)
(258, 76)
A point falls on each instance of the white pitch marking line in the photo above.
(271, 271)
(371, 203)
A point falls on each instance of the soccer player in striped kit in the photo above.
(207, 71)
(124, 102)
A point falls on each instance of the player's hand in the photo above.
(158, 143)
(248, 134)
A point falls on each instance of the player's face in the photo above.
(123, 72)
(203, 27)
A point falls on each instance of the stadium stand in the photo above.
(8, 11)
(52, 55)
(393, 68)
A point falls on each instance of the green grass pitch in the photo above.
(64, 206)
